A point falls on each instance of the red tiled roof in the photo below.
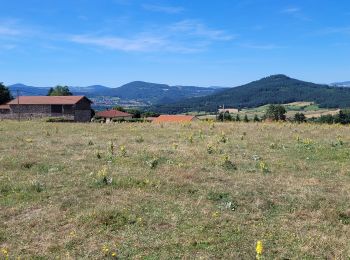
(112, 114)
(173, 118)
(47, 100)
(4, 107)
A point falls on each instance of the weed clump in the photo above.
(37, 186)
(152, 163)
(139, 139)
(227, 163)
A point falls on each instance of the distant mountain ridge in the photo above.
(275, 89)
(148, 93)
(345, 84)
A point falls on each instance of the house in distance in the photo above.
(77, 108)
(109, 115)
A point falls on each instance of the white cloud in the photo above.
(291, 10)
(122, 44)
(183, 37)
(261, 46)
(296, 13)
(196, 28)
(163, 9)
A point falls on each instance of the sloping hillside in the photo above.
(153, 93)
(273, 89)
(145, 92)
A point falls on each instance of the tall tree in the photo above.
(5, 94)
(59, 91)
(276, 112)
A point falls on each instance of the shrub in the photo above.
(299, 118)
(256, 118)
(245, 119)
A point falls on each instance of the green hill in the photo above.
(276, 89)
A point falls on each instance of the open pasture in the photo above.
(174, 191)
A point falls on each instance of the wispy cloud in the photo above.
(183, 37)
(163, 9)
(123, 44)
(262, 46)
(296, 13)
(8, 31)
(291, 10)
(196, 28)
(335, 30)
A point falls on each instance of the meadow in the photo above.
(174, 191)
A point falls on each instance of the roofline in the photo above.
(15, 99)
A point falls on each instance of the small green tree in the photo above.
(227, 116)
(276, 113)
(59, 91)
(224, 116)
(245, 119)
(343, 117)
(135, 113)
(299, 118)
(238, 118)
(5, 94)
(256, 118)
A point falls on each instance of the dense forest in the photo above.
(276, 89)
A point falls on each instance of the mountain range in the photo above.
(275, 89)
(345, 84)
(163, 98)
(145, 92)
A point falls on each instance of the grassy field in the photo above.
(145, 191)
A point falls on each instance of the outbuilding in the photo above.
(109, 115)
(77, 108)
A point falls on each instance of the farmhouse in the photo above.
(174, 119)
(77, 108)
(109, 115)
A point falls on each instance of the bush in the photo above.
(246, 119)
(299, 118)
(224, 116)
(256, 118)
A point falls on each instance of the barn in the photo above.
(76, 108)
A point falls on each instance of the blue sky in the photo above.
(197, 42)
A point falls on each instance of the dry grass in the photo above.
(174, 191)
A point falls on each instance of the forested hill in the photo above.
(276, 89)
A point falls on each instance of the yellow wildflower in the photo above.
(102, 172)
(105, 249)
(259, 249)
(215, 214)
(114, 254)
(122, 149)
(4, 251)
